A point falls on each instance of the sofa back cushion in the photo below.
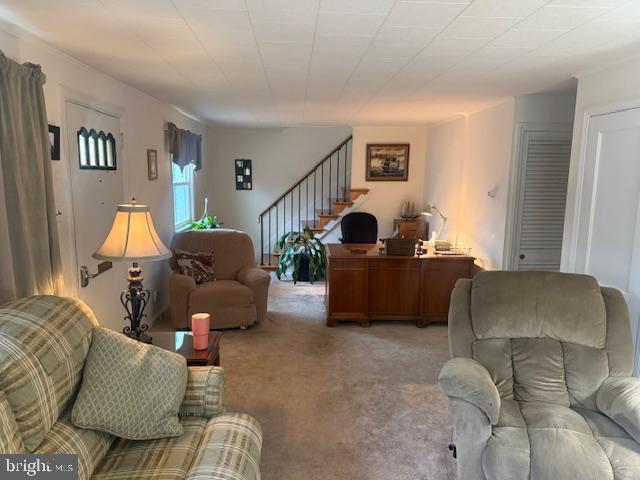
(542, 336)
(44, 341)
(233, 249)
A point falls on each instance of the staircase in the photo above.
(318, 200)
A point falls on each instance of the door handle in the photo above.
(85, 276)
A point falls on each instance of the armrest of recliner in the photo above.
(619, 399)
(180, 286)
(253, 276)
(204, 396)
(468, 380)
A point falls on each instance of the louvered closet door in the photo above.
(543, 196)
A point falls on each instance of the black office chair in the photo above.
(359, 227)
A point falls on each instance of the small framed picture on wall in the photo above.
(243, 174)
(152, 164)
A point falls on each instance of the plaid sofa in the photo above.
(44, 341)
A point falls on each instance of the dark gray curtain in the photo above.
(184, 146)
(30, 261)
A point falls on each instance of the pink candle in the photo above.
(200, 328)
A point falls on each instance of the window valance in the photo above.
(184, 146)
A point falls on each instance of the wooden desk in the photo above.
(368, 286)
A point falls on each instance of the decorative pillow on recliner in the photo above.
(130, 389)
(201, 266)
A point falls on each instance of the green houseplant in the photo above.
(206, 221)
(305, 253)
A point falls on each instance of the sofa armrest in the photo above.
(468, 380)
(204, 396)
(619, 399)
(253, 276)
(180, 287)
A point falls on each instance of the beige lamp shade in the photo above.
(132, 237)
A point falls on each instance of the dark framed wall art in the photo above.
(243, 174)
(387, 161)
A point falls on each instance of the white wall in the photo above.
(386, 197)
(444, 173)
(546, 107)
(606, 90)
(470, 156)
(142, 121)
(280, 156)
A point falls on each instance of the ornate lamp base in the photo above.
(134, 300)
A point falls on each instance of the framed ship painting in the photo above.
(387, 161)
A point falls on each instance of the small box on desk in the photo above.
(401, 247)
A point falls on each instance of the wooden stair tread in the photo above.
(361, 190)
(268, 268)
(328, 215)
(343, 202)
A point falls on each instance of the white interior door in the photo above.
(608, 233)
(544, 173)
(96, 191)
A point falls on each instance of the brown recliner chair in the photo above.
(238, 296)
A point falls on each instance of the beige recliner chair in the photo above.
(238, 296)
(539, 381)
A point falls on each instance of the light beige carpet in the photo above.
(340, 403)
(344, 403)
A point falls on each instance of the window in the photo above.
(96, 150)
(182, 195)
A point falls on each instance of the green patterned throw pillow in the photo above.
(130, 389)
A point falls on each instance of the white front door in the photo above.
(93, 138)
(607, 243)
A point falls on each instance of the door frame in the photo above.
(72, 95)
(510, 251)
(575, 192)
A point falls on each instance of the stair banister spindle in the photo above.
(261, 222)
(291, 219)
(306, 191)
(337, 178)
(269, 239)
(321, 190)
(329, 196)
(299, 220)
(346, 156)
(314, 193)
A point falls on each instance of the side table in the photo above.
(182, 344)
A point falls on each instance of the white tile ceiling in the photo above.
(293, 62)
